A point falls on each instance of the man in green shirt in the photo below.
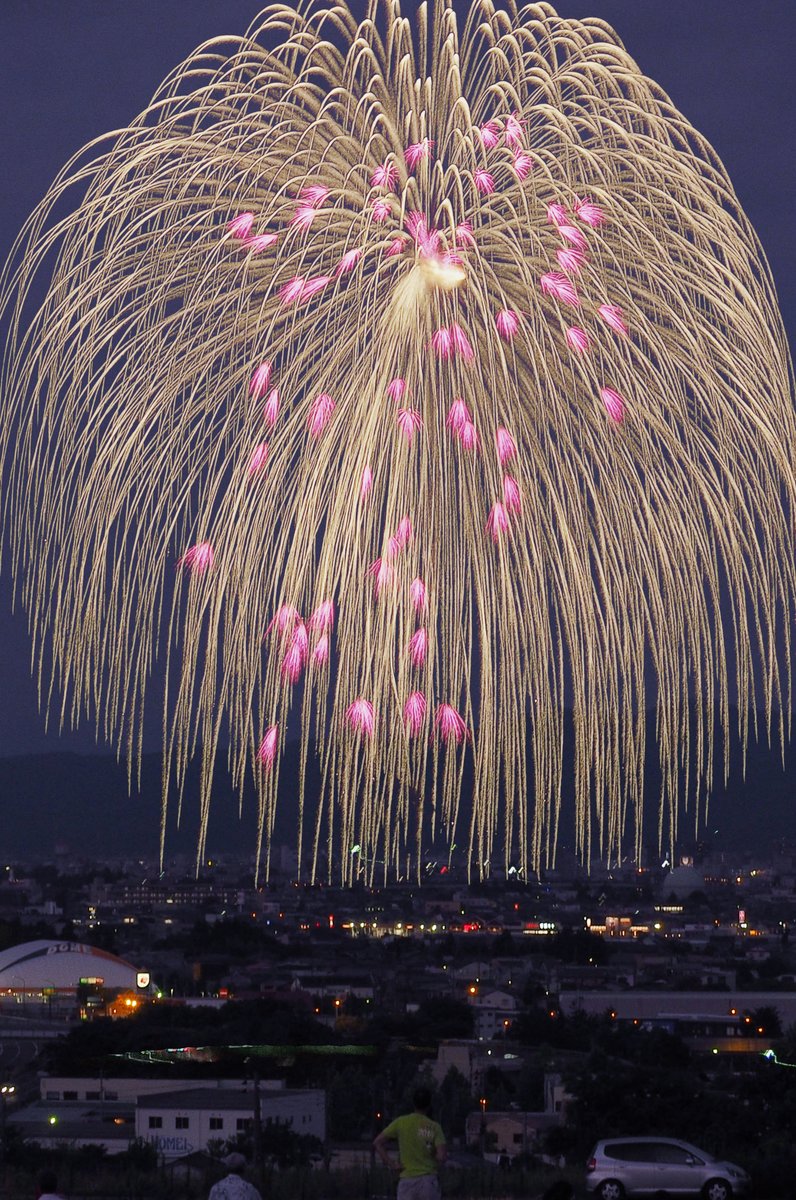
(421, 1150)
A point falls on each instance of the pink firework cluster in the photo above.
(452, 345)
(572, 255)
(295, 636)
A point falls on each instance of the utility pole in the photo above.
(257, 1123)
(6, 1092)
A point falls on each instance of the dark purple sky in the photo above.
(72, 69)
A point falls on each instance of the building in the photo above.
(472, 1059)
(106, 1125)
(59, 1091)
(508, 1134)
(65, 974)
(181, 1122)
(111, 1112)
(494, 1012)
(636, 1004)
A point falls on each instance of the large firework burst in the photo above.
(426, 372)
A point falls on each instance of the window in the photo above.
(53, 1096)
(667, 1153)
(93, 1095)
(182, 1122)
(111, 1095)
(632, 1151)
(155, 1122)
(517, 1139)
(216, 1122)
(70, 1095)
(243, 1123)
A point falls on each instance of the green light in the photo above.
(771, 1056)
(174, 1055)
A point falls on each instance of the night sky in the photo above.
(70, 70)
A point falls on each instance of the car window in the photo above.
(631, 1151)
(666, 1153)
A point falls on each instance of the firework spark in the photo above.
(366, 240)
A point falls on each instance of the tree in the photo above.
(452, 1102)
(767, 1019)
(439, 1017)
(281, 1146)
(580, 948)
(503, 945)
(499, 1089)
(350, 1104)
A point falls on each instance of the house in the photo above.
(508, 1133)
(556, 1096)
(494, 1012)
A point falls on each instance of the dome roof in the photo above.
(683, 880)
(61, 965)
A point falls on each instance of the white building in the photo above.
(178, 1123)
(111, 1111)
(494, 1012)
(126, 1090)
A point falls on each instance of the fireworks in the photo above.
(418, 386)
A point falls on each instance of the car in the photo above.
(653, 1166)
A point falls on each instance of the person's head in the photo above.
(234, 1162)
(422, 1100)
(48, 1182)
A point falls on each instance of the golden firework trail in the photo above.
(422, 373)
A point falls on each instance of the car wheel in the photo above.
(611, 1189)
(717, 1189)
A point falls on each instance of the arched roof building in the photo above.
(47, 967)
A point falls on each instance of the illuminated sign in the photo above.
(142, 979)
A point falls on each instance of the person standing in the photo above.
(421, 1150)
(233, 1186)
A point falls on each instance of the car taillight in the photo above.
(591, 1165)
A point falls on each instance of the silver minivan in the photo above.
(644, 1166)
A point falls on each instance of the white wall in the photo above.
(183, 1130)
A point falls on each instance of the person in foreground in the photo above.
(233, 1186)
(421, 1150)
